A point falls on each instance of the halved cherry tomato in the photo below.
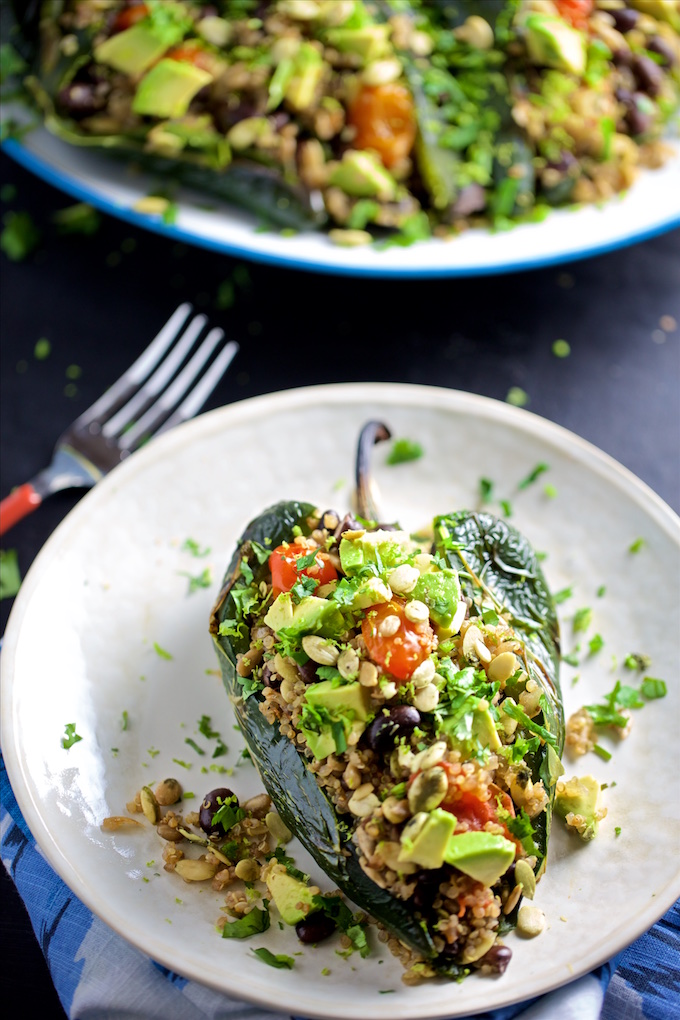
(402, 652)
(283, 563)
(469, 808)
(129, 16)
(191, 53)
(384, 120)
(576, 12)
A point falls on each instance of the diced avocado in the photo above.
(662, 10)
(293, 898)
(369, 42)
(483, 856)
(311, 615)
(168, 88)
(551, 42)
(302, 86)
(388, 548)
(430, 837)
(362, 175)
(133, 50)
(370, 592)
(440, 591)
(334, 713)
(576, 800)
(484, 729)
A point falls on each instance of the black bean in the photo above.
(348, 523)
(210, 805)
(270, 678)
(308, 672)
(658, 45)
(624, 19)
(386, 729)
(315, 927)
(332, 515)
(497, 958)
(81, 99)
(622, 57)
(648, 75)
(565, 163)
(427, 887)
(639, 119)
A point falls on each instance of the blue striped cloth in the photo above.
(86, 959)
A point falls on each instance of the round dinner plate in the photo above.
(650, 207)
(106, 635)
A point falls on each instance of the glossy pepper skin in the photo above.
(478, 543)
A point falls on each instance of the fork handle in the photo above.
(21, 502)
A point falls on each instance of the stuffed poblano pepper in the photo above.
(400, 699)
(396, 119)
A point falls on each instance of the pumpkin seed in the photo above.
(278, 827)
(149, 804)
(247, 870)
(192, 870)
(526, 878)
(428, 790)
(348, 664)
(319, 650)
(530, 921)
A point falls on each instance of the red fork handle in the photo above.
(21, 502)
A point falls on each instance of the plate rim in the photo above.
(412, 395)
(65, 182)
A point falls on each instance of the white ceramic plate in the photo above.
(651, 207)
(109, 584)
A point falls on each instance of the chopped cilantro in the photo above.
(515, 712)
(517, 397)
(80, 218)
(595, 644)
(571, 659)
(653, 688)
(10, 576)
(303, 586)
(635, 546)
(640, 662)
(506, 507)
(226, 294)
(485, 489)
(562, 595)
(549, 490)
(617, 830)
(561, 348)
(170, 213)
(228, 813)
(602, 752)
(601, 591)
(11, 62)
(183, 764)
(261, 553)
(582, 618)
(533, 475)
(190, 545)
(161, 652)
(124, 721)
(192, 743)
(71, 737)
(280, 960)
(202, 580)
(205, 727)
(19, 236)
(404, 450)
(253, 923)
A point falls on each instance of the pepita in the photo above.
(278, 827)
(530, 921)
(428, 790)
(526, 878)
(152, 811)
(192, 870)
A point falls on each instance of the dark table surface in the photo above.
(99, 299)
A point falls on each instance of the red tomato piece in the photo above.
(283, 563)
(129, 16)
(576, 12)
(403, 651)
(190, 52)
(384, 120)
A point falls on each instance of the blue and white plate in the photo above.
(651, 207)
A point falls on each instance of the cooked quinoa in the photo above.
(419, 709)
(370, 118)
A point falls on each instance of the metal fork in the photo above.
(166, 385)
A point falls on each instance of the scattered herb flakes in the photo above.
(161, 652)
(196, 747)
(71, 737)
(385, 991)
(635, 546)
(533, 475)
(74, 372)
(595, 644)
(205, 727)
(609, 712)
(254, 922)
(197, 581)
(601, 591)
(42, 349)
(506, 507)
(404, 450)
(325, 971)
(571, 659)
(19, 236)
(561, 349)
(152, 751)
(182, 764)
(80, 218)
(517, 397)
(582, 619)
(617, 830)
(124, 720)
(639, 662)
(10, 576)
(191, 546)
(653, 688)
(220, 749)
(602, 752)
(485, 490)
(549, 490)
(563, 595)
(280, 960)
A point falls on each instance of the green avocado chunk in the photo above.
(331, 713)
(290, 895)
(133, 50)
(483, 856)
(425, 839)
(386, 549)
(579, 797)
(551, 42)
(362, 175)
(440, 591)
(311, 615)
(369, 42)
(168, 88)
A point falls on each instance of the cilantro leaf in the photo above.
(653, 688)
(71, 737)
(515, 712)
(533, 475)
(404, 450)
(19, 236)
(228, 813)
(280, 960)
(252, 923)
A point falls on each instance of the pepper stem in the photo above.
(366, 489)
